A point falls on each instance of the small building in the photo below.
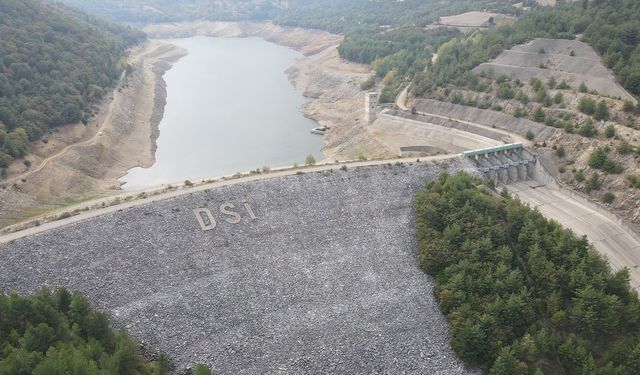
(370, 105)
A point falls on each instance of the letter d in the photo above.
(212, 221)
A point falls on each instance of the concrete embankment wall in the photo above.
(485, 117)
(544, 175)
(488, 133)
(303, 274)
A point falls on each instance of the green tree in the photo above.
(309, 160)
(16, 143)
(588, 129)
(610, 131)
(587, 105)
(538, 115)
(583, 88)
(551, 82)
(602, 111)
(529, 135)
(628, 106)
(558, 98)
(593, 183)
(505, 91)
(608, 197)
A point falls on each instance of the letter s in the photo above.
(235, 217)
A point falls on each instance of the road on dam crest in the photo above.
(311, 273)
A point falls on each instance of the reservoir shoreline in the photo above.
(80, 162)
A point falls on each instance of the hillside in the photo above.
(54, 64)
(332, 15)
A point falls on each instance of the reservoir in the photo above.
(230, 108)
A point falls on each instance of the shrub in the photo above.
(558, 98)
(602, 111)
(505, 91)
(583, 88)
(549, 120)
(628, 106)
(530, 135)
(536, 84)
(202, 370)
(369, 83)
(560, 152)
(624, 147)
(188, 183)
(634, 180)
(588, 129)
(587, 105)
(593, 183)
(579, 175)
(538, 115)
(551, 82)
(563, 85)
(631, 122)
(598, 159)
(610, 131)
(608, 197)
(309, 160)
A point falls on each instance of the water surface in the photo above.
(230, 108)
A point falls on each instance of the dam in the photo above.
(308, 273)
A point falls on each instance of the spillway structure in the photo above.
(510, 163)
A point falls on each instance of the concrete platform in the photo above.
(303, 274)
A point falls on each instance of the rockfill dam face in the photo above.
(303, 274)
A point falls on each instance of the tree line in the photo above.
(54, 64)
(522, 294)
(58, 333)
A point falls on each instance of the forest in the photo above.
(57, 333)
(338, 16)
(522, 294)
(54, 64)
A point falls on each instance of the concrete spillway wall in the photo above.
(486, 117)
(305, 274)
(504, 164)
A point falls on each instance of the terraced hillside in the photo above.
(570, 60)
